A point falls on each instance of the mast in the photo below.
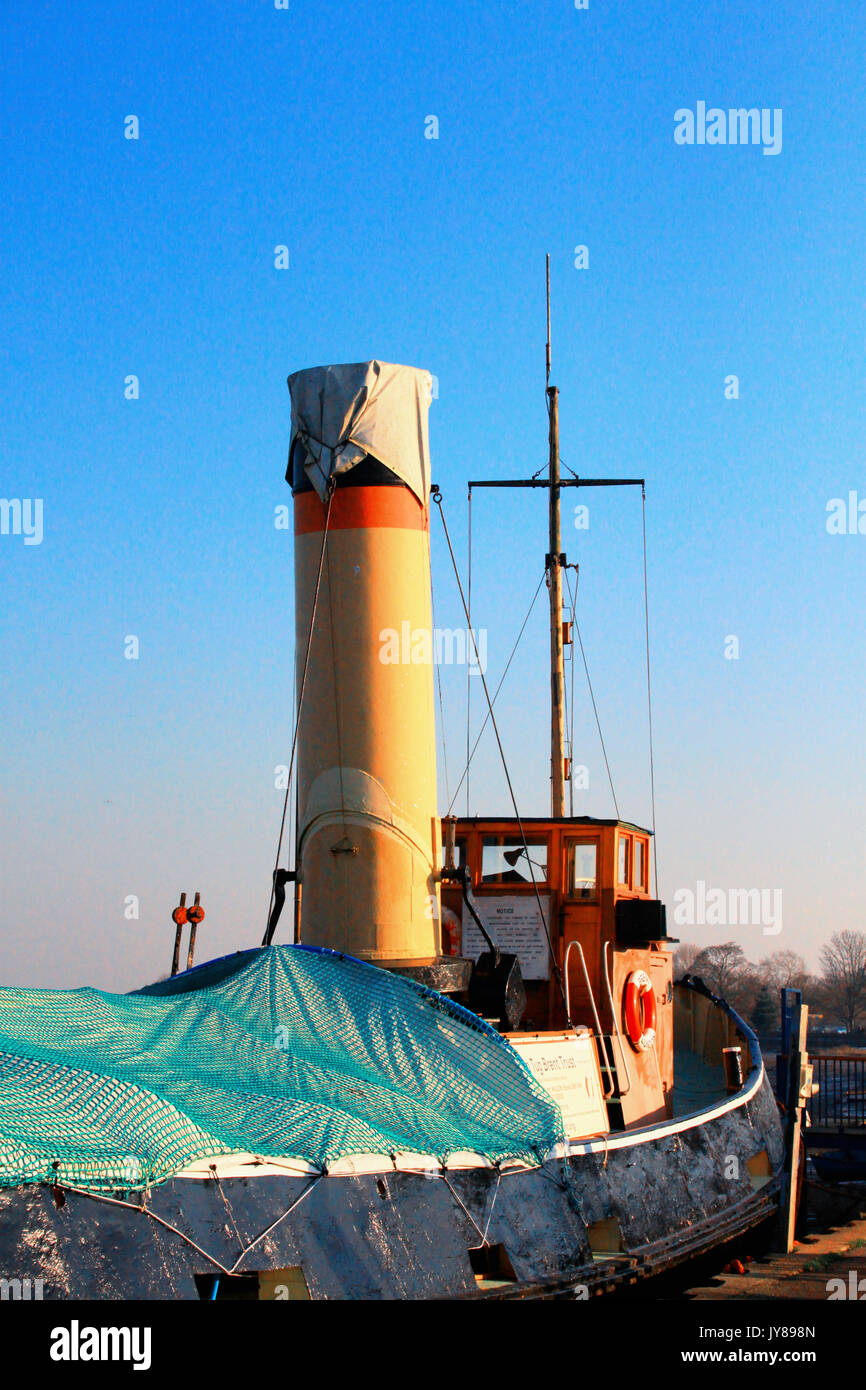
(554, 585)
(554, 563)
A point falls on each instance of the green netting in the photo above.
(282, 1052)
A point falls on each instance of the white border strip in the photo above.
(250, 1165)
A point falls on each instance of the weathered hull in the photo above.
(675, 1190)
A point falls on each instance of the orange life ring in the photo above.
(451, 932)
(640, 1011)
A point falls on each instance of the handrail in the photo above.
(598, 1031)
(615, 1022)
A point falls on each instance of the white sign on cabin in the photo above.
(566, 1065)
(516, 927)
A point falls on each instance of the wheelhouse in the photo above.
(571, 899)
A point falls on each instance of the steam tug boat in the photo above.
(471, 1074)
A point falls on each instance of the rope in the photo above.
(437, 498)
(465, 1208)
(492, 1205)
(649, 694)
(229, 1211)
(266, 1232)
(144, 1211)
(497, 690)
(301, 698)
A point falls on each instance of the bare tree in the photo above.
(725, 970)
(784, 970)
(843, 966)
(685, 955)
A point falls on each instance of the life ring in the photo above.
(451, 932)
(640, 1011)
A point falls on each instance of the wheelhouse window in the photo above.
(581, 876)
(623, 860)
(504, 860)
(640, 864)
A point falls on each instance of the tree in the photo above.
(721, 968)
(843, 966)
(784, 970)
(765, 1013)
(787, 970)
(685, 955)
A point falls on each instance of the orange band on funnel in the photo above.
(359, 508)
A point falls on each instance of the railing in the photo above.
(841, 1099)
(616, 1033)
(603, 1060)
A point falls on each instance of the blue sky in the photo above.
(155, 257)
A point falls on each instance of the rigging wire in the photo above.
(293, 805)
(563, 464)
(437, 498)
(441, 700)
(469, 622)
(300, 699)
(337, 719)
(497, 690)
(569, 700)
(649, 694)
(594, 705)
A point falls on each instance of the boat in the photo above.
(468, 1073)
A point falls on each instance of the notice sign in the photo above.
(516, 927)
(567, 1067)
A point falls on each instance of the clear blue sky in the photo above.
(155, 257)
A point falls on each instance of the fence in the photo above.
(841, 1099)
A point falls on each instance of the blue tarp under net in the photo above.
(283, 1052)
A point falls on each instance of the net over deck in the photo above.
(282, 1052)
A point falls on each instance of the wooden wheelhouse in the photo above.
(597, 930)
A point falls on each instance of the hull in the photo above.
(599, 1215)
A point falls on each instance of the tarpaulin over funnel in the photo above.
(341, 414)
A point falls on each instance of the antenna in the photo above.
(547, 378)
(555, 561)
